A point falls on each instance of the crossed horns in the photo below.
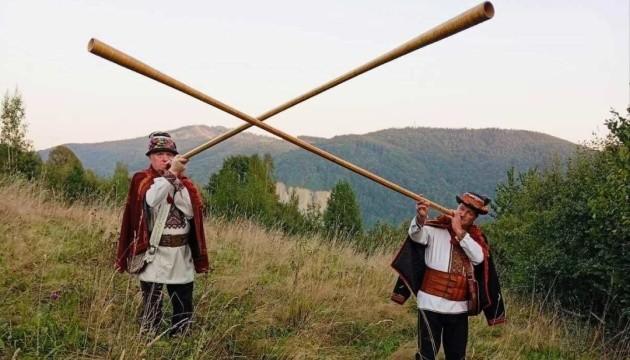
(463, 21)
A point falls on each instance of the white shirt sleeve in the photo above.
(419, 234)
(158, 191)
(472, 250)
(183, 203)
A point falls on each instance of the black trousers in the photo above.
(181, 299)
(435, 328)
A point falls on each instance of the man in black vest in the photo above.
(446, 263)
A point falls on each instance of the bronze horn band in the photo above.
(105, 51)
(463, 21)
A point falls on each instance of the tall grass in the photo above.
(270, 296)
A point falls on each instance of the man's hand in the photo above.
(422, 208)
(456, 223)
(178, 165)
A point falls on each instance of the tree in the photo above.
(118, 185)
(342, 215)
(13, 129)
(290, 219)
(244, 186)
(27, 163)
(74, 184)
(65, 172)
(314, 216)
(566, 229)
(16, 153)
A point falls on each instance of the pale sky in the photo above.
(555, 67)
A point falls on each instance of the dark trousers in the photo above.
(181, 299)
(435, 328)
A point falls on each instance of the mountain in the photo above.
(102, 157)
(438, 163)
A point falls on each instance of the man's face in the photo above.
(159, 160)
(467, 214)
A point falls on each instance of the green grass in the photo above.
(269, 297)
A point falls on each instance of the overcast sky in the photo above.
(550, 66)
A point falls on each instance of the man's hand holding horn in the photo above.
(178, 165)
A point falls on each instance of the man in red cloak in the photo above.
(182, 245)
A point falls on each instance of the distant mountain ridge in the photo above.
(435, 162)
(102, 157)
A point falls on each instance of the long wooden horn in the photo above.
(463, 21)
(101, 49)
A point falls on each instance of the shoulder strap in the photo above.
(156, 233)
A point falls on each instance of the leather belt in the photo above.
(445, 285)
(174, 240)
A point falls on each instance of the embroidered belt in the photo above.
(174, 240)
(445, 285)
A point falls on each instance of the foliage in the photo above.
(13, 160)
(342, 215)
(64, 172)
(245, 188)
(118, 186)
(566, 230)
(13, 128)
(382, 237)
(16, 153)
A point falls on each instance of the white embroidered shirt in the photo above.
(437, 256)
(171, 265)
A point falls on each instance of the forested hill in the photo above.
(435, 162)
(102, 157)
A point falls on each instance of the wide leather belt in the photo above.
(174, 240)
(445, 285)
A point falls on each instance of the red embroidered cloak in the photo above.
(134, 230)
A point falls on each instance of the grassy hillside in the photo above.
(269, 297)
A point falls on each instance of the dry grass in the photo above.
(270, 296)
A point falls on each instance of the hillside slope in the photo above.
(269, 297)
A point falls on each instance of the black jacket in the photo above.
(410, 265)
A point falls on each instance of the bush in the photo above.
(245, 187)
(343, 216)
(567, 229)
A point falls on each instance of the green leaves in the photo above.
(566, 230)
(16, 153)
(343, 216)
(245, 188)
(13, 125)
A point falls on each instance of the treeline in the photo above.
(62, 172)
(244, 187)
(565, 232)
